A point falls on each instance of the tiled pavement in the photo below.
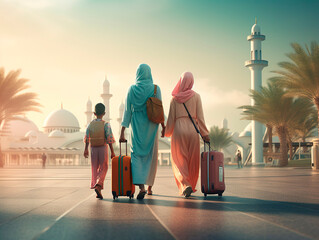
(259, 203)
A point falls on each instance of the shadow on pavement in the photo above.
(228, 203)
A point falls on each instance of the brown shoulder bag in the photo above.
(154, 108)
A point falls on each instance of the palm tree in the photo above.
(219, 138)
(274, 109)
(14, 100)
(304, 126)
(301, 76)
(307, 127)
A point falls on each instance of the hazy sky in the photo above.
(66, 47)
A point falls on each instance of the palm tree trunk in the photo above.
(290, 149)
(304, 148)
(269, 138)
(316, 100)
(283, 161)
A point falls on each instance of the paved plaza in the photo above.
(259, 203)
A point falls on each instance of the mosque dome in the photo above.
(246, 132)
(248, 129)
(62, 120)
(20, 126)
(56, 134)
(255, 30)
(31, 134)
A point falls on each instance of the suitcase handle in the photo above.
(125, 147)
(207, 164)
(208, 146)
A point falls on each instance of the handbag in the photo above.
(154, 108)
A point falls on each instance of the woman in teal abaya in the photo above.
(144, 132)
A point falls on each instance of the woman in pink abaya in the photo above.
(185, 143)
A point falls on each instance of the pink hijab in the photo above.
(183, 89)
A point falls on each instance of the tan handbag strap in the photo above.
(155, 89)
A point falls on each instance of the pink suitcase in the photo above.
(212, 173)
(212, 168)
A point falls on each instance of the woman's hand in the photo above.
(112, 154)
(122, 138)
(163, 130)
(86, 153)
(206, 138)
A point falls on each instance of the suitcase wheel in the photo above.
(220, 194)
(114, 195)
(205, 194)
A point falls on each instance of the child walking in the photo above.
(99, 135)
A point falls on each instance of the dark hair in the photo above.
(99, 109)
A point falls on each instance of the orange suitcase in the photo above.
(122, 184)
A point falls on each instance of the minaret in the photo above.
(119, 119)
(89, 112)
(225, 123)
(256, 65)
(106, 99)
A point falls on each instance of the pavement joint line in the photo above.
(271, 223)
(61, 216)
(12, 219)
(161, 222)
(68, 211)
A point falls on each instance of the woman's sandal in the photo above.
(97, 190)
(141, 195)
(188, 191)
(149, 192)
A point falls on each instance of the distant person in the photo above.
(144, 150)
(185, 144)
(238, 155)
(44, 159)
(1, 161)
(99, 135)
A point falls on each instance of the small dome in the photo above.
(248, 129)
(31, 134)
(61, 120)
(246, 132)
(20, 126)
(255, 30)
(56, 134)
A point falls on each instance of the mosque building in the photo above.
(22, 143)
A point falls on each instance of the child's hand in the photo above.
(112, 155)
(86, 153)
(163, 131)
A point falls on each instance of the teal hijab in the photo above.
(144, 87)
